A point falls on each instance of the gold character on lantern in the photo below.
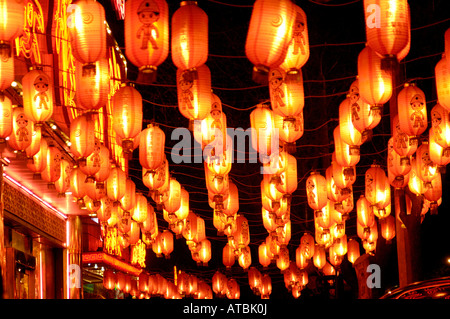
(148, 13)
(41, 86)
(275, 81)
(354, 97)
(299, 39)
(400, 138)
(310, 189)
(369, 184)
(436, 120)
(186, 83)
(426, 160)
(417, 103)
(22, 131)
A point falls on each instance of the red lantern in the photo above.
(37, 95)
(189, 44)
(364, 116)
(387, 28)
(213, 128)
(77, 184)
(319, 258)
(228, 257)
(116, 184)
(263, 135)
(442, 78)
(426, 170)
(316, 191)
(434, 192)
(377, 187)
(388, 228)
(263, 255)
(415, 183)
(286, 92)
(194, 92)
(404, 145)
(412, 110)
(270, 32)
(219, 283)
(82, 136)
(92, 165)
(254, 279)
(105, 166)
(92, 85)
(438, 154)
(6, 124)
(346, 155)
(151, 147)
(127, 115)
(298, 50)
(11, 25)
(173, 202)
(109, 279)
(6, 67)
(128, 201)
(353, 252)
(245, 257)
(440, 127)
(364, 213)
(289, 129)
(146, 33)
(266, 286)
(62, 185)
(396, 166)
(348, 132)
(38, 161)
(375, 84)
(88, 32)
(52, 169)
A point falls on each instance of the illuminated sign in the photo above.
(112, 242)
(27, 44)
(138, 254)
(102, 258)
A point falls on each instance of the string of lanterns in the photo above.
(277, 45)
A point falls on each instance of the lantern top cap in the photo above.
(186, 3)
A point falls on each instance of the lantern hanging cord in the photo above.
(334, 5)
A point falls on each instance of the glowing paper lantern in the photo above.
(364, 213)
(38, 161)
(213, 128)
(228, 257)
(6, 68)
(116, 184)
(346, 155)
(92, 85)
(415, 183)
(319, 258)
(77, 184)
(426, 170)
(52, 169)
(109, 279)
(388, 228)
(128, 201)
(270, 32)
(412, 110)
(37, 95)
(440, 127)
(396, 166)
(442, 78)
(127, 115)
(151, 147)
(348, 132)
(6, 124)
(105, 167)
(353, 252)
(20, 138)
(173, 202)
(363, 116)
(189, 41)
(93, 163)
(404, 145)
(387, 30)
(377, 187)
(289, 129)
(316, 191)
(82, 136)
(298, 50)
(286, 92)
(194, 92)
(62, 185)
(375, 84)
(87, 32)
(146, 33)
(263, 135)
(263, 255)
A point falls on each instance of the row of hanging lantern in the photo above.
(148, 285)
(223, 286)
(277, 45)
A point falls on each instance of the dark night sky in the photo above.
(336, 36)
